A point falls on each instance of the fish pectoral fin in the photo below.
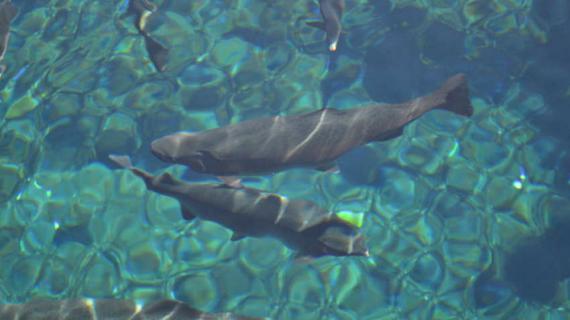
(236, 236)
(317, 24)
(187, 214)
(390, 134)
(231, 181)
(303, 258)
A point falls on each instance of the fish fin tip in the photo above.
(122, 160)
(231, 181)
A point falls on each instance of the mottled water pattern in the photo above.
(444, 203)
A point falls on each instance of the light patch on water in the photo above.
(454, 149)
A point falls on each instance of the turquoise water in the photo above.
(448, 206)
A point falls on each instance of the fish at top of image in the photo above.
(315, 139)
(300, 224)
(7, 13)
(331, 11)
(143, 10)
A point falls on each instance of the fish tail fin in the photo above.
(125, 162)
(454, 95)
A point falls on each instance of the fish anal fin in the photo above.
(317, 24)
(236, 236)
(187, 214)
(329, 167)
(390, 134)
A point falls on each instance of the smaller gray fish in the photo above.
(7, 13)
(331, 10)
(300, 224)
(158, 53)
(86, 309)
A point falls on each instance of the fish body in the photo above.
(7, 13)
(312, 139)
(331, 11)
(300, 224)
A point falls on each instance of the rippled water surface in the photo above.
(465, 217)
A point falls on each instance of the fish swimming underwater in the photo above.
(86, 309)
(157, 52)
(7, 13)
(313, 139)
(300, 224)
(331, 10)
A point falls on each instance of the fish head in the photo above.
(175, 147)
(165, 148)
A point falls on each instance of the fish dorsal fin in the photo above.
(187, 214)
(166, 178)
(355, 219)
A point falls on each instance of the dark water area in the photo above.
(465, 217)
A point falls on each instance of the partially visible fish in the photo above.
(331, 10)
(143, 10)
(300, 224)
(104, 309)
(314, 139)
(7, 13)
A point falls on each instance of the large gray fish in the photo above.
(7, 13)
(87, 309)
(300, 224)
(331, 10)
(313, 139)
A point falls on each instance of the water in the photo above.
(456, 209)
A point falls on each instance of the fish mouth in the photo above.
(156, 148)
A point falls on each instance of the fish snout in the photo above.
(163, 149)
